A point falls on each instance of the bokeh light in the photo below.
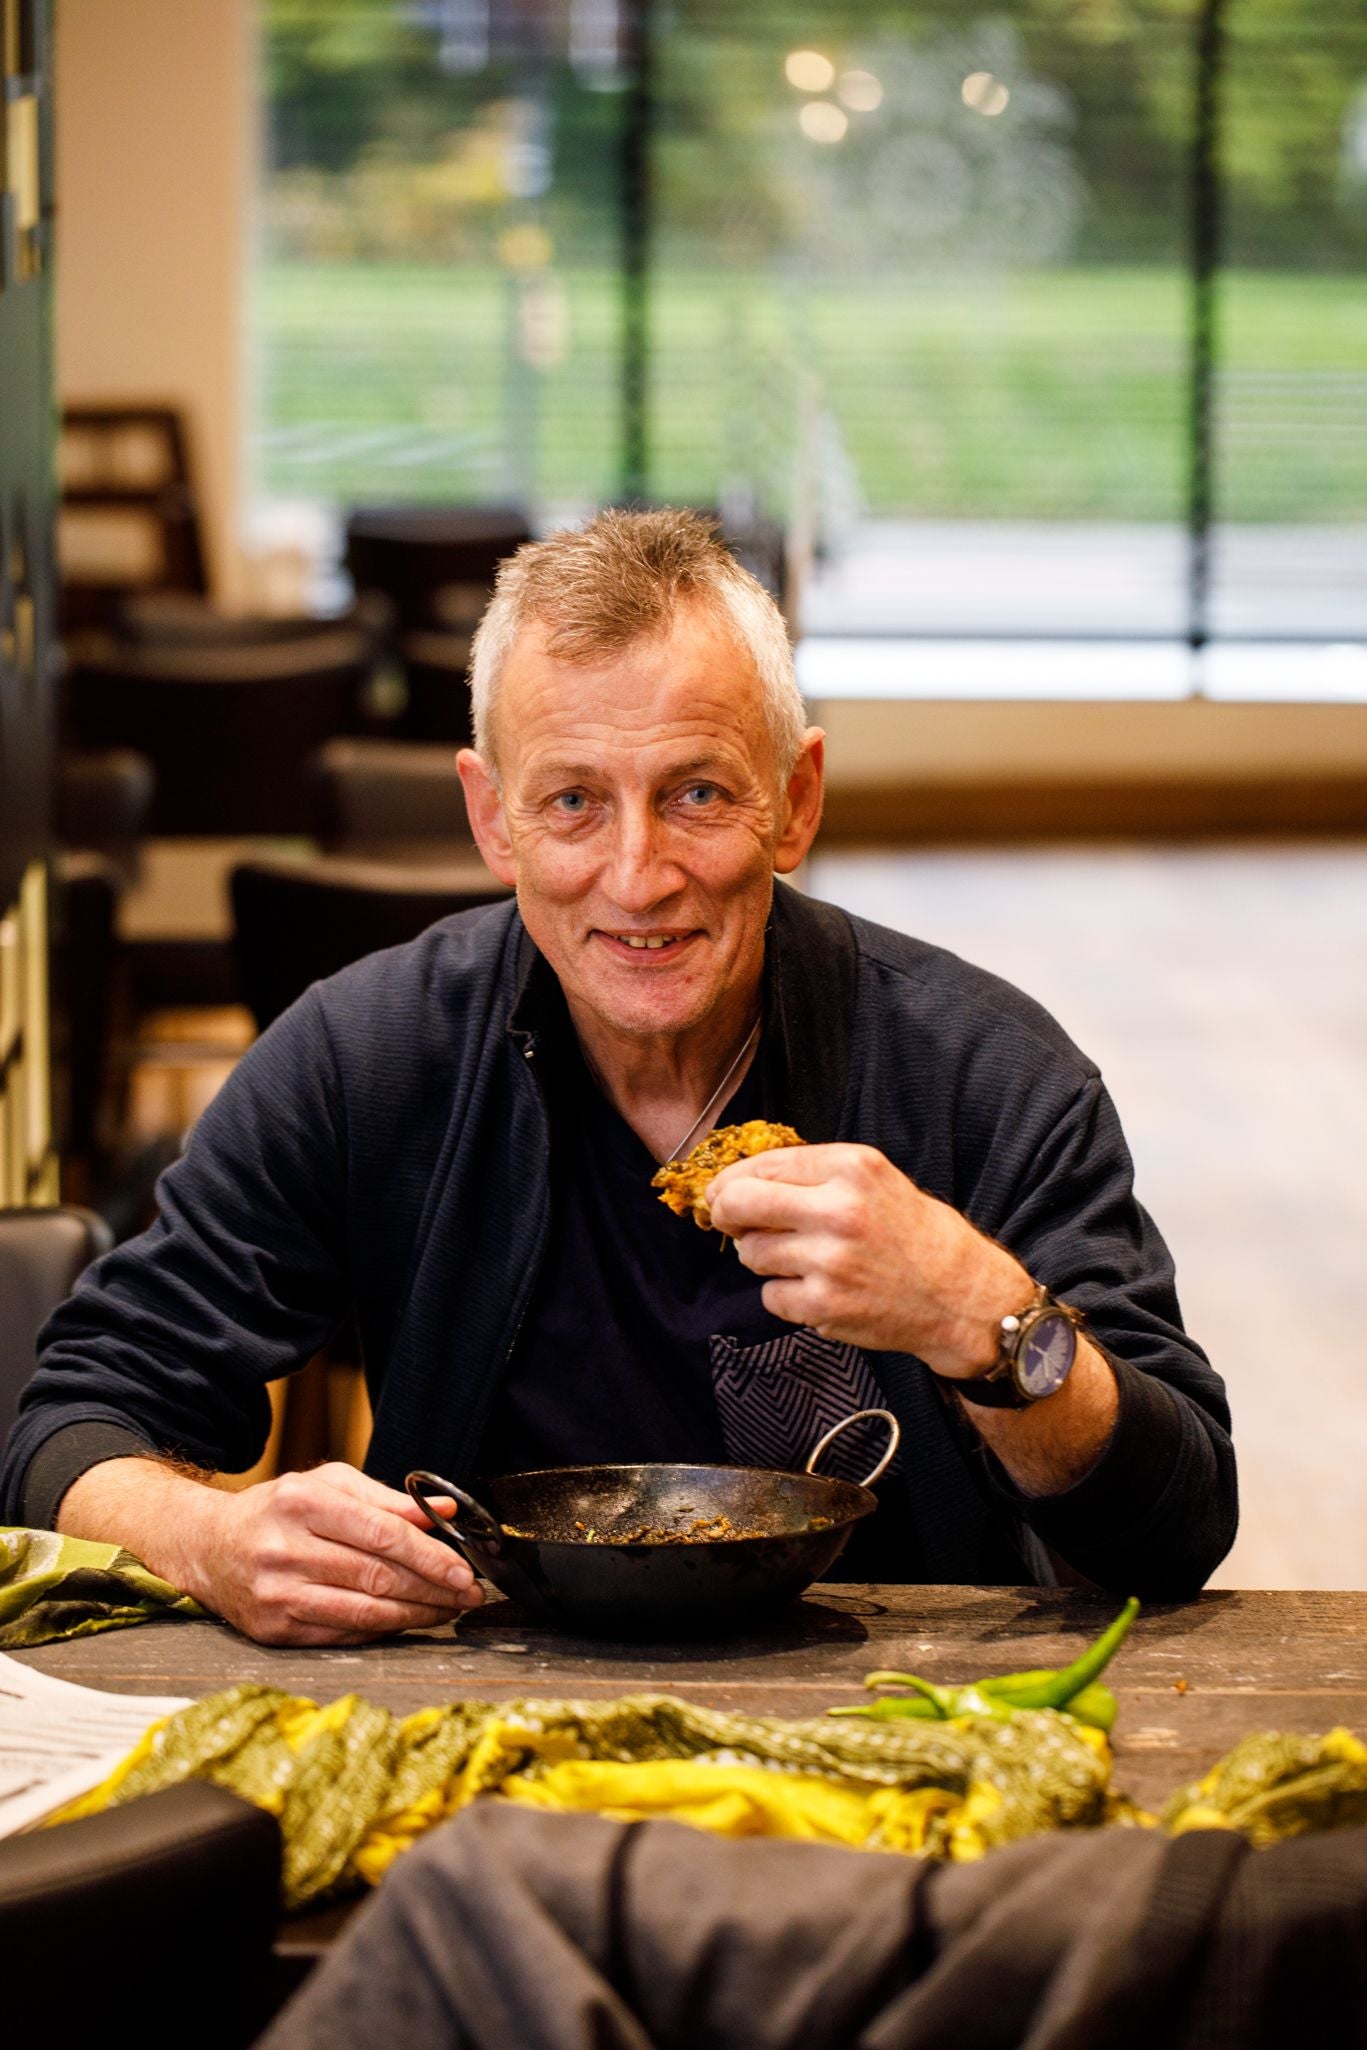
(860, 91)
(984, 93)
(822, 121)
(809, 71)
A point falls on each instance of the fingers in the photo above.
(316, 1562)
(352, 1481)
(328, 1615)
(328, 1504)
(361, 1615)
(799, 1186)
(795, 1164)
(776, 1252)
(756, 1203)
(789, 1300)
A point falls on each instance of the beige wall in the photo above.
(155, 162)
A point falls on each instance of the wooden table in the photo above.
(1250, 1661)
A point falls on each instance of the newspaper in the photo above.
(58, 1741)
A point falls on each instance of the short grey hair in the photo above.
(599, 588)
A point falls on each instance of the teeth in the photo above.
(652, 940)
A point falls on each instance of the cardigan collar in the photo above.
(808, 1010)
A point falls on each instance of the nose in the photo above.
(641, 870)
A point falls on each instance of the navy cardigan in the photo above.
(383, 1151)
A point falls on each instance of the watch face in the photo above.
(1046, 1355)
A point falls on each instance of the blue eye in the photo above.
(572, 801)
(700, 793)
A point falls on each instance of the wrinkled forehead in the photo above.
(691, 681)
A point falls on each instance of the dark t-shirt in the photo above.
(613, 1363)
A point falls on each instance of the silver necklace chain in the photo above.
(677, 1152)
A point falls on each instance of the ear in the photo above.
(802, 803)
(485, 808)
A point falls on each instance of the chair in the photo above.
(104, 802)
(296, 922)
(228, 729)
(437, 563)
(85, 956)
(129, 516)
(173, 619)
(391, 800)
(150, 1924)
(41, 1254)
(106, 1165)
(436, 668)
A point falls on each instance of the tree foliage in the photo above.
(362, 83)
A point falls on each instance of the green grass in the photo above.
(1055, 395)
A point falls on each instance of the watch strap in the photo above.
(998, 1388)
(994, 1390)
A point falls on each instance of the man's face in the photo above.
(641, 818)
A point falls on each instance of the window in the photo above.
(437, 299)
(1040, 328)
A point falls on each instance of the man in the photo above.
(455, 1141)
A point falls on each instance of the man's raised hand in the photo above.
(852, 1247)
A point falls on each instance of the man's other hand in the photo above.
(857, 1251)
(324, 1557)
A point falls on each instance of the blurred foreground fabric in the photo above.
(511, 1930)
(354, 1786)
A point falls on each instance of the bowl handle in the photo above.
(471, 1531)
(858, 1416)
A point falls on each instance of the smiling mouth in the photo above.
(648, 942)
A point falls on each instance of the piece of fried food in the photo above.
(681, 1182)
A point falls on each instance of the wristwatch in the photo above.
(1035, 1354)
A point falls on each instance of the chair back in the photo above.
(104, 801)
(436, 669)
(187, 1879)
(391, 800)
(41, 1254)
(228, 728)
(171, 619)
(295, 923)
(128, 497)
(421, 557)
(85, 956)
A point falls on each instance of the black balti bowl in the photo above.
(561, 1543)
